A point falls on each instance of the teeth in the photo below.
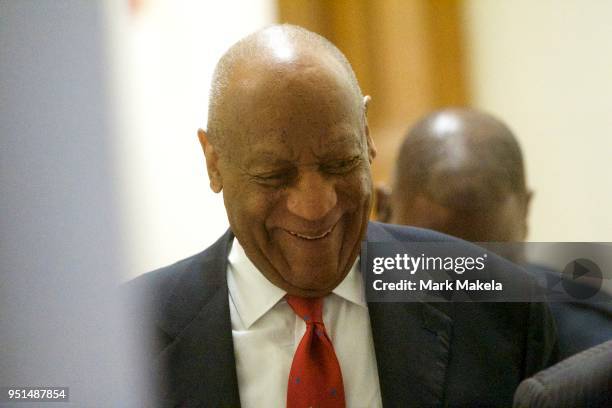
(311, 237)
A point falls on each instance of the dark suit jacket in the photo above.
(583, 380)
(436, 354)
(580, 324)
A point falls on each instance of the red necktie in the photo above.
(315, 379)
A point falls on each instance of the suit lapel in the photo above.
(412, 345)
(200, 358)
(411, 340)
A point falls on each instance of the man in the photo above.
(461, 172)
(274, 313)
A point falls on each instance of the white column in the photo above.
(61, 240)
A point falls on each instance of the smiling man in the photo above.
(274, 313)
(288, 144)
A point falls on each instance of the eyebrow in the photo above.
(339, 149)
(335, 148)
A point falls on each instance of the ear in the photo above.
(527, 204)
(526, 207)
(371, 147)
(383, 203)
(212, 162)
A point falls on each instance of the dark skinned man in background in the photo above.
(461, 172)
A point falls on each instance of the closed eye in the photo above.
(273, 179)
(341, 166)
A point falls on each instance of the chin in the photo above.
(321, 280)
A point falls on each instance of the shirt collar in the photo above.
(254, 295)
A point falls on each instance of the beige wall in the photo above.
(168, 209)
(546, 68)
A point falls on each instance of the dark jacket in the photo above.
(428, 354)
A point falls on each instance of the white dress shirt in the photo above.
(266, 334)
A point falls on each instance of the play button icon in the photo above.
(582, 279)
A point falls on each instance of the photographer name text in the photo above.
(431, 285)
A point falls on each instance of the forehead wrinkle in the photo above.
(286, 96)
(275, 150)
(277, 138)
(264, 155)
(273, 50)
(346, 144)
(292, 81)
(289, 87)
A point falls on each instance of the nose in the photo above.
(312, 197)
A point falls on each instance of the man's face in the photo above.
(296, 177)
(505, 221)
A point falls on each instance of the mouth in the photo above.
(311, 237)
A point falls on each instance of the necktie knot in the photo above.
(309, 309)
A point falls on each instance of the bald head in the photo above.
(288, 146)
(461, 171)
(269, 58)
